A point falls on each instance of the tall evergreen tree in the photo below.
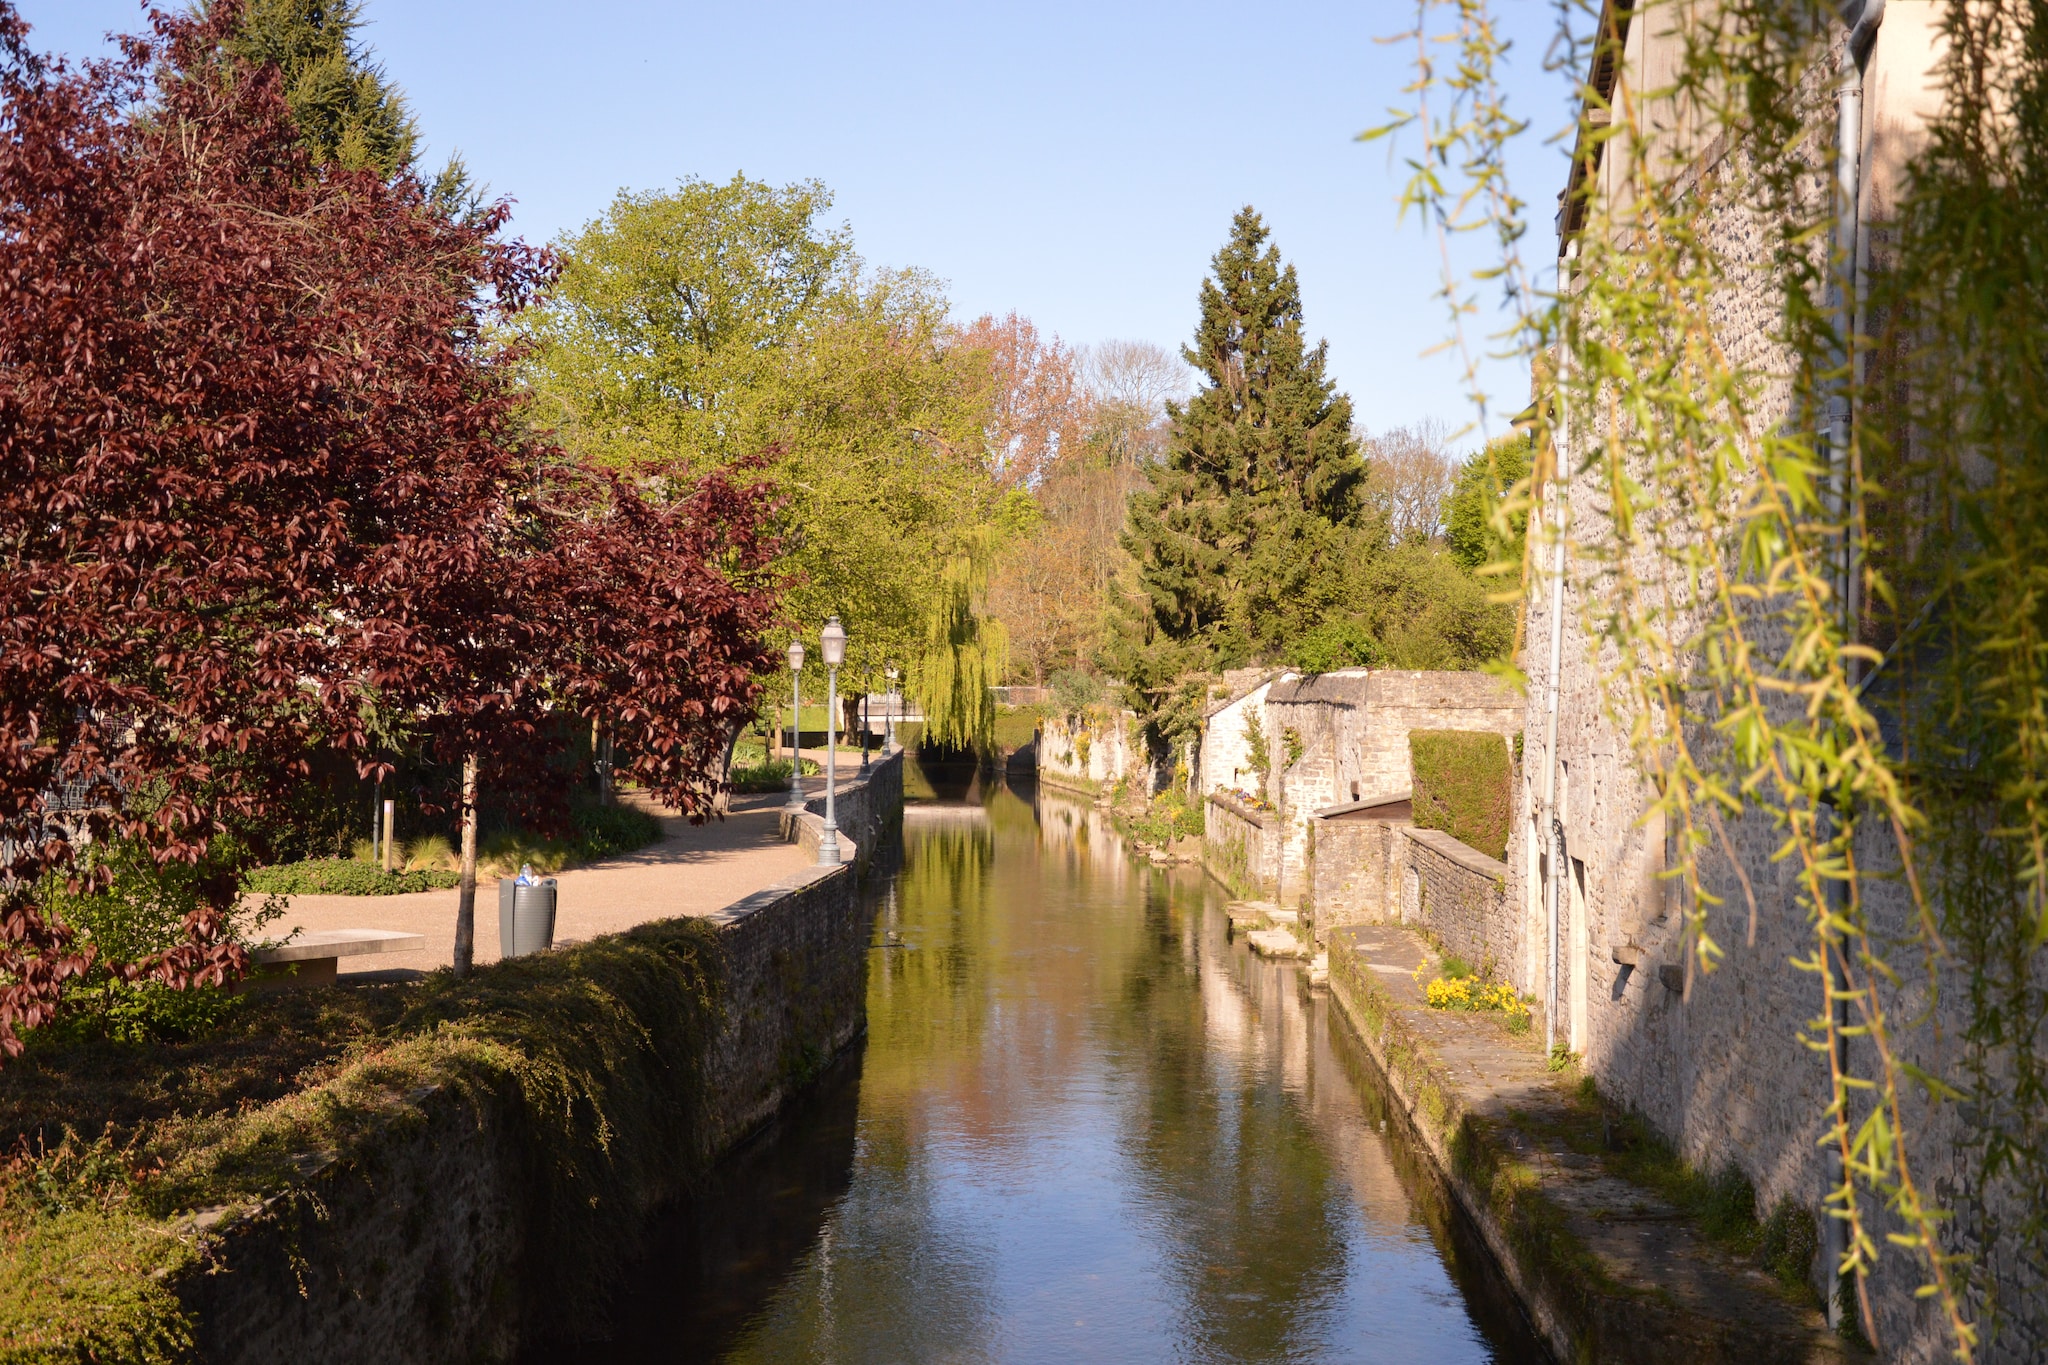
(349, 113)
(1243, 540)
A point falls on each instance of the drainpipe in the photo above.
(1862, 18)
(1551, 824)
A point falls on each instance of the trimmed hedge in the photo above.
(1462, 781)
(342, 877)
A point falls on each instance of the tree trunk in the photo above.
(465, 906)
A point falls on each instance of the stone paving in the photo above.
(691, 870)
(1703, 1303)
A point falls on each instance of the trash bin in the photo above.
(526, 917)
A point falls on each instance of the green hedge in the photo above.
(1462, 780)
(342, 877)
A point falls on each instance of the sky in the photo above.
(1076, 162)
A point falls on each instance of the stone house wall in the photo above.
(1716, 1061)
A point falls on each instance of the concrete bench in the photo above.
(313, 959)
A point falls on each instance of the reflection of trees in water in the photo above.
(1246, 1194)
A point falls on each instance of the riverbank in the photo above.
(1615, 1250)
(464, 1167)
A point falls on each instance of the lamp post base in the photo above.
(828, 848)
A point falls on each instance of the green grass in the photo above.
(1168, 816)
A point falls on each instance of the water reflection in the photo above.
(1085, 1126)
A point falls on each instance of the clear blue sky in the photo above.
(1078, 162)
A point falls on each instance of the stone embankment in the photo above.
(1607, 1267)
(471, 1188)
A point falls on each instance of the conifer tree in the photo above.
(348, 113)
(1243, 540)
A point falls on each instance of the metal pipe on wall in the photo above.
(1863, 18)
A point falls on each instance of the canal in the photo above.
(1084, 1125)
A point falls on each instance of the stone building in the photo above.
(1335, 742)
(1718, 1062)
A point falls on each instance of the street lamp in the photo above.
(895, 705)
(833, 640)
(867, 690)
(796, 726)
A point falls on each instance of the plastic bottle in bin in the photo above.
(526, 877)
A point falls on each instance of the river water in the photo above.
(1084, 1125)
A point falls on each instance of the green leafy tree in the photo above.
(1250, 527)
(1477, 531)
(722, 323)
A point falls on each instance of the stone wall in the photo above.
(440, 1234)
(1368, 871)
(1350, 873)
(1716, 1061)
(869, 811)
(1091, 751)
(1336, 739)
(1241, 846)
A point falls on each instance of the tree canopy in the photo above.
(716, 324)
(261, 484)
(1243, 540)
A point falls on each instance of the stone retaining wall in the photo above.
(1241, 846)
(439, 1234)
(1389, 872)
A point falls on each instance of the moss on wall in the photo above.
(1462, 786)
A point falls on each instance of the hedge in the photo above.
(1462, 780)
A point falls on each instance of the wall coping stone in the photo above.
(1384, 799)
(1464, 855)
(1263, 819)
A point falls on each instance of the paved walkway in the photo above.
(693, 870)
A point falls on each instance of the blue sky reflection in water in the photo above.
(1087, 1127)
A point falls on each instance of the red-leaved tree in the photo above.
(258, 474)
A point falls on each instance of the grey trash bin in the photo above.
(526, 917)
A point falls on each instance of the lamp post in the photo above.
(796, 725)
(867, 690)
(895, 705)
(833, 642)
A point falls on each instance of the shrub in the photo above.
(343, 877)
(768, 775)
(1462, 780)
(1340, 643)
(1074, 691)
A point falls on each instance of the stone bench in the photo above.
(313, 959)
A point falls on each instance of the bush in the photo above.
(766, 776)
(344, 877)
(1168, 817)
(1340, 643)
(1074, 691)
(601, 831)
(1462, 780)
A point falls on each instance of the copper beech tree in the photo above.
(260, 474)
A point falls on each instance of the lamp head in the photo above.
(796, 656)
(834, 641)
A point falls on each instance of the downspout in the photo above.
(1552, 826)
(1863, 18)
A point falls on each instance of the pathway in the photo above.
(692, 870)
